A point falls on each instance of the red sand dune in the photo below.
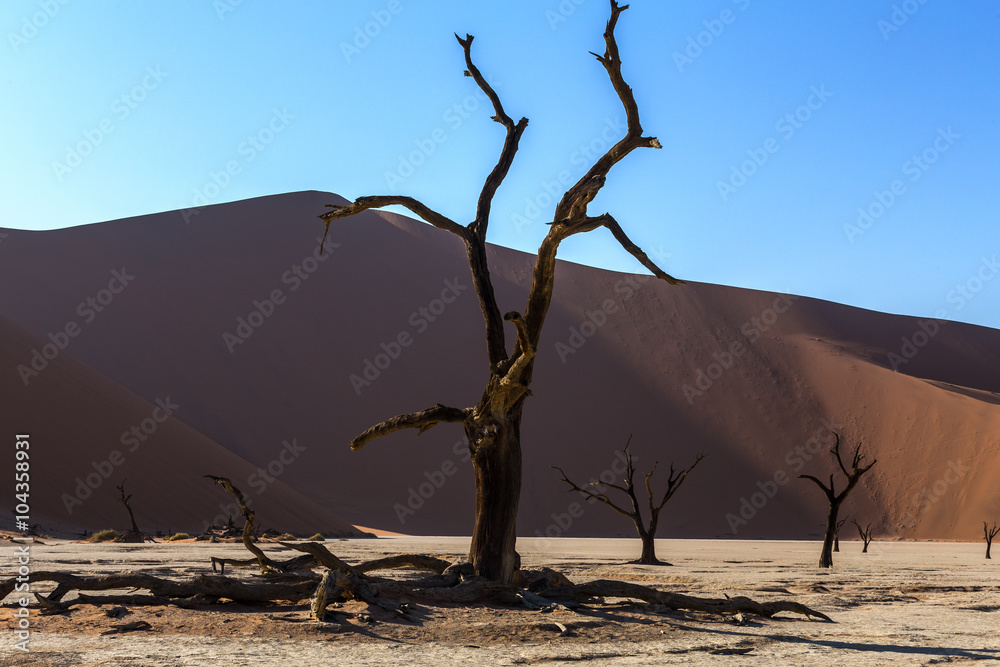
(392, 297)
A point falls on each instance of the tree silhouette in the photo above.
(988, 535)
(493, 425)
(866, 535)
(837, 499)
(647, 531)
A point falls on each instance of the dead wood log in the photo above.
(266, 564)
(435, 565)
(321, 554)
(269, 589)
(604, 588)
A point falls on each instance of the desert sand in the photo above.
(280, 383)
(903, 603)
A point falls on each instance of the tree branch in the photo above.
(571, 211)
(574, 203)
(422, 420)
(362, 204)
(827, 491)
(673, 483)
(612, 225)
(596, 496)
(479, 225)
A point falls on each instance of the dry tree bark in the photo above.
(837, 499)
(493, 425)
(647, 533)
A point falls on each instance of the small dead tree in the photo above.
(647, 531)
(125, 499)
(133, 535)
(836, 535)
(837, 499)
(988, 535)
(493, 424)
(866, 535)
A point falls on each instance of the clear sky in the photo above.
(842, 150)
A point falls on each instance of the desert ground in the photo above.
(904, 603)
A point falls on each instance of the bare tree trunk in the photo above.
(836, 499)
(496, 461)
(648, 556)
(493, 425)
(988, 534)
(826, 556)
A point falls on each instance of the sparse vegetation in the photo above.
(178, 536)
(318, 537)
(108, 535)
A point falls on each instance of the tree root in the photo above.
(537, 589)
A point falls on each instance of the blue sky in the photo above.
(781, 123)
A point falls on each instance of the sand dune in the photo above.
(88, 435)
(261, 339)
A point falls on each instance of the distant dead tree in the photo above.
(837, 499)
(836, 535)
(866, 535)
(133, 535)
(988, 535)
(647, 531)
(493, 424)
(125, 499)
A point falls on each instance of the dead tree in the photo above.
(133, 535)
(988, 535)
(493, 425)
(866, 535)
(266, 564)
(836, 535)
(837, 499)
(647, 532)
(125, 499)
